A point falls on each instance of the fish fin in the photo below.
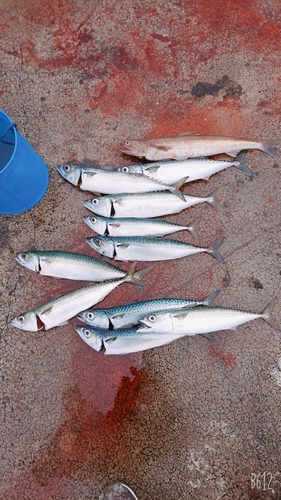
(181, 315)
(159, 147)
(267, 147)
(63, 323)
(175, 188)
(266, 314)
(193, 228)
(136, 278)
(188, 133)
(214, 250)
(212, 199)
(48, 310)
(118, 201)
(110, 340)
(123, 245)
(89, 173)
(210, 298)
(152, 170)
(238, 163)
(114, 224)
(179, 157)
(118, 316)
(33, 249)
(208, 336)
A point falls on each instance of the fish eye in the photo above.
(125, 169)
(152, 318)
(127, 143)
(90, 315)
(87, 333)
(97, 241)
(21, 319)
(93, 220)
(66, 168)
(24, 256)
(95, 201)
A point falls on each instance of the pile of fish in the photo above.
(126, 210)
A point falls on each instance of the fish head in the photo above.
(95, 318)
(101, 205)
(102, 245)
(28, 321)
(131, 169)
(71, 173)
(98, 224)
(135, 147)
(156, 322)
(90, 336)
(28, 259)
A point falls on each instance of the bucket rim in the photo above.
(10, 122)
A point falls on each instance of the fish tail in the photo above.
(213, 250)
(175, 188)
(136, 277)
(193, 228)
(210, 298)
(239, 163)
(267, 315)
(268, 147)
(212, 199)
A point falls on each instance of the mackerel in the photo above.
(123, 341)
(69, 265)
(148, 249)
(151, 204)
(129, 314)
(108, 226)
(99, 180)
(171, 171)
(203, 320)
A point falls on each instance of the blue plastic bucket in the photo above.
(24, 176)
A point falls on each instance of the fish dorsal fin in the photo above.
(33, 249)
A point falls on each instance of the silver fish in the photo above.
(123, 341)
(99, 180)
(69, 265)
(148, 249)
(170, 171)
(151, 204)
(192, 145)
(59, 310)
(203, 320)
(129, 314)
(127, 226)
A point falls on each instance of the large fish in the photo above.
(148, 249)
(99, 180)
(69, 265)
(203, 320)
(128, 226)
(170, 171)
(59, 310)
(151, 204)
(123, 341)
(129, 314)
(193, 146)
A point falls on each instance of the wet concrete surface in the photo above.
(193, 419)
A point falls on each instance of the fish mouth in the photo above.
(144, 326)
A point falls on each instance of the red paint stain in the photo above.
(226, 358)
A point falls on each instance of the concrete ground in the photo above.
(193, 419)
